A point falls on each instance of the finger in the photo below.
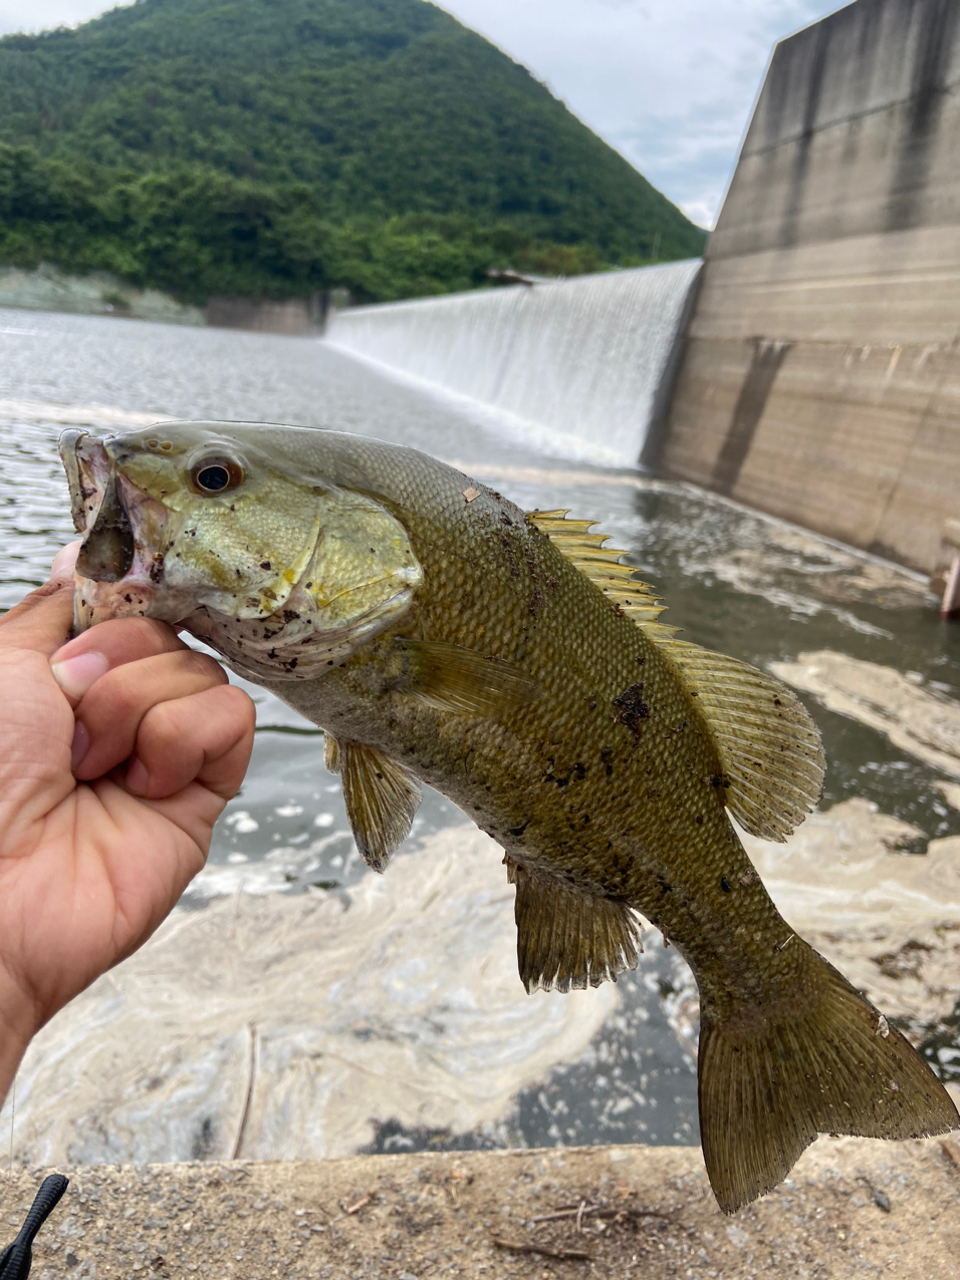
(109, 716)
(64, 562)
(206, 737)
(77, 666)
(44, 618)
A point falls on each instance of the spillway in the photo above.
(584, 365)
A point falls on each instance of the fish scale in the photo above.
(511, 662)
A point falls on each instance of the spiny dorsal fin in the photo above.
(566, 939)
(452, 678)
(602, 566)
(769, 747)
(381, 797)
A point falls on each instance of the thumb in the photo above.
(44, 619)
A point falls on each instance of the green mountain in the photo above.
(277, 146)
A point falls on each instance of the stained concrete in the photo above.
(851, 1208)
(821, 377)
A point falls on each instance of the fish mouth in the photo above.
(118, 567)
(108, 549)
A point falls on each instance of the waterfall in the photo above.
(586, 362)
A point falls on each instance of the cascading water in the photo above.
(584, 365)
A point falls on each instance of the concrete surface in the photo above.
(853, 1208)
(821, 379)
(293, 316)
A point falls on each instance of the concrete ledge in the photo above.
(852, 1208)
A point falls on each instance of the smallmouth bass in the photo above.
(438, 633)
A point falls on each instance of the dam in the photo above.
(810, 368)
(585, 367)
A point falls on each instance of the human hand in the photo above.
(96, 850)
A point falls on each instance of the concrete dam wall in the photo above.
(811, 368)
(589, 362)
(821, 374)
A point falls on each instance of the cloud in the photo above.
(671, 86)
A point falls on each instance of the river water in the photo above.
(733, 580)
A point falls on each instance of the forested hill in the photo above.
(275, 146)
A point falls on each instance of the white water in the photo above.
(588, 361)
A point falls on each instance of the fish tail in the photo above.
(821, 1059)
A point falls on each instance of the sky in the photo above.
(669, 83)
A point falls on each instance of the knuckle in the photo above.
(201, 664)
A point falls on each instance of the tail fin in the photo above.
(772, 1078)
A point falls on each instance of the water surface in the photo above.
(733, 581)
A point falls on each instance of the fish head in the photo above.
(284, 573)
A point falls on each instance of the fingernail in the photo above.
(138, 780)
(79, 747)
(76, 675)
(65, 560)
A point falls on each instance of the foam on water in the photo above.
(588, 360)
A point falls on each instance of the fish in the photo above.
(439, 634)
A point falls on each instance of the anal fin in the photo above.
(381, 797)
(566, 939)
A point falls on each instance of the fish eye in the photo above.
(215, 475)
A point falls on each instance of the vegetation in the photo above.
(274, 147)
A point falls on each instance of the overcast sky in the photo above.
(669, 83)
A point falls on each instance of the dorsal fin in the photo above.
(602, 566)
(769, 747)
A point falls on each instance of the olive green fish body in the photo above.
(606, 782)
(440, 634)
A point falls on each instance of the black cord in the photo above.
(16, 1259)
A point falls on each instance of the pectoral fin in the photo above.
(452, 678)
(566, 939)
(381, 798)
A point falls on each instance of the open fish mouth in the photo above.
(120, 563)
